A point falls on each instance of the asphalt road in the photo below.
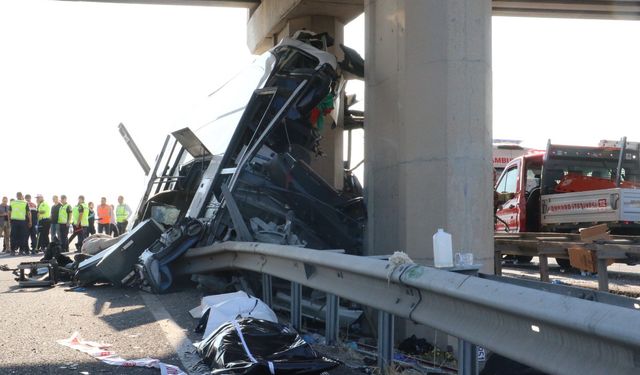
(135, 323)
(34, 318)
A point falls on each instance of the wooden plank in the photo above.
(596, 232)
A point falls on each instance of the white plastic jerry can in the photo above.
(442, 249)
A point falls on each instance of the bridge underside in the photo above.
(617, 9)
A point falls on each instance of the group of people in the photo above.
(22, 220)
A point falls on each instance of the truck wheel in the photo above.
(564, 263)
(523, 258)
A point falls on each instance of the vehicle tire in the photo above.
(564, 263)
(523, 258)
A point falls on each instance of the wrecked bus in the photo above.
(242, 165)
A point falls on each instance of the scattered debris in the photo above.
(414, 345)
(152, 272)
(75, 289)
(39, 274)
(103, 353)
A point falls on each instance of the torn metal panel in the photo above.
(134, 148)
(198, 203)
(191, 143)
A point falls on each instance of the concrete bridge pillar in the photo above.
(428, 136)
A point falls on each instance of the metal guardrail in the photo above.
(551, 332)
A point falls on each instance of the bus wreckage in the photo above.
(244, 172)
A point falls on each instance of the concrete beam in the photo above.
(249, 4)
(268, 20)
(617, 9)
(597, 9)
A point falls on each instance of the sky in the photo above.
(569, 80)
(70, 72)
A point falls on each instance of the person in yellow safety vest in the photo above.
(123, 212)
(20, 223)
(64, 220)
(80, 222)
(44, 223)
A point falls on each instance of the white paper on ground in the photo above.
(101, 352)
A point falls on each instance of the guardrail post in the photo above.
(385, 340)
(467, 358)
(296, 306)
(267, 290)
(332, 324)
(603, 276)
(543, 264)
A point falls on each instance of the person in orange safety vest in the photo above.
(104, 217)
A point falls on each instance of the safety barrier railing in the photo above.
(551, 332)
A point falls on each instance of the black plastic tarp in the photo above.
(254, 346)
